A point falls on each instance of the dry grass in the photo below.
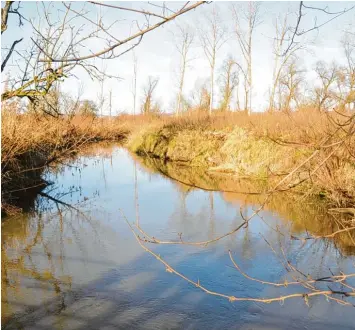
(30, 143)
(303, 126)
(263, 145)
(23, 133)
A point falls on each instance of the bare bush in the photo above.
(149, 105)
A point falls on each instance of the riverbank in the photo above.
(298, 152)
(309, 215)
(31, 143)
(300, 149)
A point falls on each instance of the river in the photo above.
(72, 262)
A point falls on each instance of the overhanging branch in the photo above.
(120, 43)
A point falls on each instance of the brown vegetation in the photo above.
(316, 158)
(311, 215)
(266, 146)
(263, 146)
(32, 142)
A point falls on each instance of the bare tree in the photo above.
(58, 43)
(183, 41)
(346, 77)
(149, 106)
(110, 102)
(101, 94)
(324, 94)
(229, 82)
(290, 82)
(88, 108)
(134, 84)
(212, 38)
(289, 40)
(245, 41)
(280, 63)
(200, 97)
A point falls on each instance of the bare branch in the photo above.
(132, 37)
(296, 30)
(3, 64)
(129, 9)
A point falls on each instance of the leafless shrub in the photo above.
(149, 105)
(212, 39)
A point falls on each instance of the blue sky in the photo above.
(157, 55)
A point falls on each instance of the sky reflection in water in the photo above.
(70, 270)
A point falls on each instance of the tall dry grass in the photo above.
(31, 142)
(305, 125)
(263, 145)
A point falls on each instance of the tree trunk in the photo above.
(212, 87)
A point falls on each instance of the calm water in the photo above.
(82, 269)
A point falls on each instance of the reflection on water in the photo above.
(80, 268)
(300, 215)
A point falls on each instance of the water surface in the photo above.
(81, 267)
